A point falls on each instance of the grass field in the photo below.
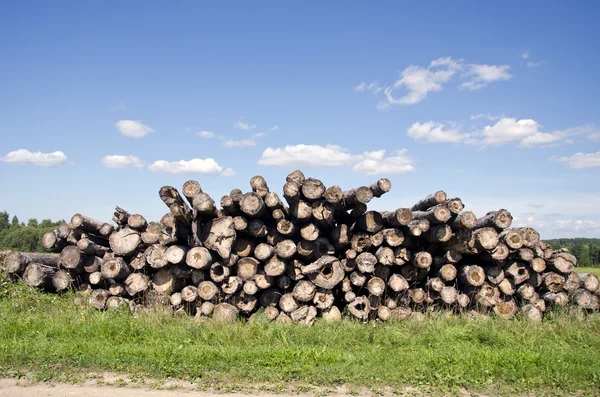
(595, 270)
(52, 338)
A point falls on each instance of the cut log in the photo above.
(250, 288)
(275, 267)
(191, 189)
(417, 295)
(512, 238)
(589, 282)
(16, 262)
(455, 205)
(472, 275)
(243, 247)
(137, 222)
(556, 298)
(252, 205)
(435, 284)
(487, 296)
(116, 289)
(219, 236)
(506, 309)
(401, 256)
(72, 258)
(532, 313)
(562, 262)
(358, 196)
(156, 256)
(330, 275)
(207, 290)
(553, 282)
(380, 187)
(257, 229)
(400, 217)
(259, 186)
(164, 282)
(189, 293)
(120, 216)
(430, 201)
(530, 236)
(466, 220)
(435, 215)
(538, 265)
(312, 189)
(264, 251)
(52, 242)
(517, 271)
(39, 275)
(422, 260)
(449, 295)
(247, 268)
(98, 298)
(176, 254)
(440, 234)
(62, 280)
(96, 280)
(393, 237)
(447, 272)
(82, 222)
(498, 220)
(304, 291)
(263, 281)
(199, 258)
(376, 286)
(151, 235)
(136, 283)
(125, 242)
(218, 272)
(370, 222)
(88, 247)
(225, 313)
(494, 274)
(365, 262)
(360, 308)
(507, 287)
(526, 292)
(572, 282)
(115, 269)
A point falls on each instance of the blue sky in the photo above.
(102, 103)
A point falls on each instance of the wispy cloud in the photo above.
(239, 143)
(536, 205)
(580, 160)
(206, 134)
(194, 166)
(487, 116)
(133, 128)
(525, 55)
(373, 87)
(479, 76)
(274, 128)
(120, 161)
(432, 132)
(24, 156)
(243, 126)
(369, 163)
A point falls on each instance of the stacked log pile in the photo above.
(319, 252)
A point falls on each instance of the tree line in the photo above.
(21, 236)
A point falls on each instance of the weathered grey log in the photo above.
(125, 242)
(376, 286)
(247, 268)
(532, 312)
(435, 215)
(506, 308)
(199, 258)
(496, 254)
(585, 300)
(98, 298)
(562, 262)
(39, 275)
(16, 262)
(417, 295)
(88, 247)
(530, 236)
(97, 280)
(466, 220)
(365, 262)
(556, 298)
(360, 308)
(312, 189)
(400, 217)
(370, 221)
(219, 235)
(440, 234)
(225, 313)
(218, 272)
(429, 201)
(240, 223)
(572, 282)
(330, 275)
(252, 205)
(357, 196)
(589, 282)
(156, 256)
(62, 280)
(422, 260)
(455, 205)
(137, 283)
(120, 216)
(176, 254)
(553, 282)
(85, 223)
(204, 206)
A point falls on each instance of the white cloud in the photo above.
(373, 87)
(432, 132)
(525, 55)
(228, 172)
(581, 160)
(562, 227)
(259, 135)
(375, 163)
(480, 76)
(595, 136)
(559, 136)
(133, 128)
(274, 128)
(536, 205)
(336, 156)
(194, 166)
(239, 143)
(487, 116)
(508, 130)
(243, 126)
(534, 64)
(420, 81)
(206, 134)
(24, 156)
(120, 161)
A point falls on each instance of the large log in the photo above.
(499, 220)
(16, 262)
(125, 242)
(38, 275)
(85, 223)
(435, 215)
(219, 235)
(429, 201)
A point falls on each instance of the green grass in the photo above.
(595, 270)
(52, 338)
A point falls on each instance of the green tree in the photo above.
(15, 221)
(4, 223)
(32, 222)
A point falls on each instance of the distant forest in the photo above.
(21, 236)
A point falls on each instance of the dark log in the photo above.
(16, 262)
(380, 187)
(291, 192)
(430, 201)
(88, 247)
(401, 256)
(312, 189)
(229, 206)
(323, 213)
(370, 221)
(494, 274)
(472, 275)
(218, 273)
(440, 234)
(72, 258)
(91, 225)
(435, 215)
(243, 247)
(120, 216)
(341, 235)
(499, 220)
(38, 275)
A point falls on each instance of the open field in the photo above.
(595, 270)
(51, 338)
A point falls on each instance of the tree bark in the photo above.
(52, 242)
(430, 201)
(91, 225)
(435, 215)
(499, 220)
(62, 280)
(400, 217)
(466, 220)
(380, 187)
(219, 235)
(589, 282)
(38, 275)
(125, 242)
(16, 262)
